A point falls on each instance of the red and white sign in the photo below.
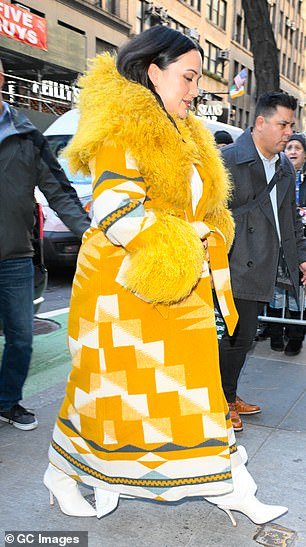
(22, 25)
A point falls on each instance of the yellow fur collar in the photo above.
(116, 111)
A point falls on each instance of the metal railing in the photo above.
(284, 319)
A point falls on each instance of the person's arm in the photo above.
(166, 254)
(52, 181)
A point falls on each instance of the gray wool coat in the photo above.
(255, 251)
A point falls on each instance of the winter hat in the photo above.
(298, 137)
(223, 137)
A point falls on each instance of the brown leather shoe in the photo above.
(245, 408)
(235, 418)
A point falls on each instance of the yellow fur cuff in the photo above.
(167, 268)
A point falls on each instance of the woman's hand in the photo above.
(205, 245)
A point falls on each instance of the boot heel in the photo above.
(51, 498)
(230, 515)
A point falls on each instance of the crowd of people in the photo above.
(172, 217)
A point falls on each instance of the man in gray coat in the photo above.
(267, 228)
(26, 161)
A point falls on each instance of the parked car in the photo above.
(214, 126)
(61, 246)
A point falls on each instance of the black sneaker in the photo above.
(19, 417)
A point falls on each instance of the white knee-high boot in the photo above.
(106, 501)
(66, 491)
(242, 498)
(71, 502)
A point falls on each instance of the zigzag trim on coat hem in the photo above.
(156, 483)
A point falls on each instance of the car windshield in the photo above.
(75, 178)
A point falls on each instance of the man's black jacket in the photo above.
(26, 161)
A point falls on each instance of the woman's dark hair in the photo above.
(159, 45)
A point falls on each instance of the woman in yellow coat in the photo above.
(144, 413)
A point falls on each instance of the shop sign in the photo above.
(213, 110)
(45, 88)
(23, 26)
(56, 90)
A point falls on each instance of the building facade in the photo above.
(76, 30)
(288, 23)
(44, 78)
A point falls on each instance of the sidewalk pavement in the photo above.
(275, 441)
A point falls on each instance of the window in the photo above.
(112, 6)
(143, 19)
(216, 12)
(300, 114)
(211, 58)
(245, 36)
(247, 118)
(281, 22)
(286, 30)
(102, 46)
(272, 15)
(196, 4)
(240, 116)
(139, 16)
(208, 8)
(294, 72)
(284, 64)
(288, 68)
(70, 27)
(249, 82)
(233, 114)
(222, 15)
(238, 28)
(31, 10)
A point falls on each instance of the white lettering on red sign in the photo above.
(23, 26)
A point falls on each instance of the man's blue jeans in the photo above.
(16, 312)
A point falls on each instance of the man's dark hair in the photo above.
(268, 102)
(159, 45)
